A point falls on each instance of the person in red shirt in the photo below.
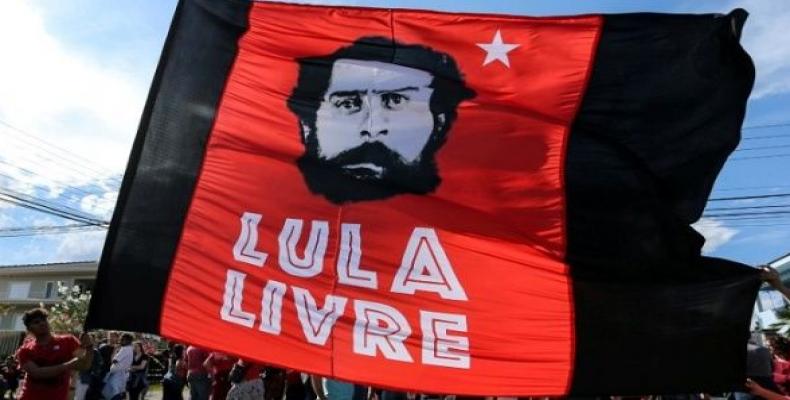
(197, 376)
(219, 365)
(48, 359)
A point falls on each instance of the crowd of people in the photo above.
(115, 366)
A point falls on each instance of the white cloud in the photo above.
(74, 114)
(765, 38)
(5, 221)
(771, 237)
(101, 206)
(80, 246)
(84, 105)
(715, 232)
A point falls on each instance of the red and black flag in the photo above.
(451, 203)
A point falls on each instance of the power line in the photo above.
(765, 137)
(747, 213)
(34, 156)
(40, 205)
(54, 182)
(38, 160)
(761, 157)
(736, 225)
(23, 204)
(748, 207)
(749, 217)
(766, 126)
(38, 201)
(763, 147)
(727, 189)
(50, 230)
(43, 227)
(762, 196)
(64, 154)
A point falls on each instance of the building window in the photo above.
(7, 322)
(19, 290)
(20, 324)
(51, 290)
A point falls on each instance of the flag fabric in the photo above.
(448, 203)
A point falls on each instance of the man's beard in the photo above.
(371, 171)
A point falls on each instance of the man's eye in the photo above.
(349, 104)
(393, 100)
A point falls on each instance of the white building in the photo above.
(23, 287)
(768, 299)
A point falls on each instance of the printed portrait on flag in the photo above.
(371, 127)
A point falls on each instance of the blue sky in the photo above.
(75, 75)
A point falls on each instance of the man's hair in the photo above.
(127, 337)
(178, 351)
(316, 72)
(34, 314)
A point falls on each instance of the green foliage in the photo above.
(783, 313)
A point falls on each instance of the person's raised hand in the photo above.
(771, 276)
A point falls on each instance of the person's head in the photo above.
(36, 323)
(372, 116)
(126, 339)
(113, 337)
(178, 351)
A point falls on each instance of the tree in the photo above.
(5, 309)
(68, 315)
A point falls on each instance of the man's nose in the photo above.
(376, 122)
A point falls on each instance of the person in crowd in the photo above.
(781, 366)
(393, 395)
(115, 381)
(10, 372)
(246, 381)
(294, 386)
(107, 347)
(308, 387)
(176, 376)
(333, 389)
(759, 368)
(48, 359)
(3, 385)
(760, 392)
(138, 371)
(273, 383)
(219, 366)
(197, 376)
(90, 378)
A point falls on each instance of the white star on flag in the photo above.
(497, 50)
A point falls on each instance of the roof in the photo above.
(64, 267)
(782, 263)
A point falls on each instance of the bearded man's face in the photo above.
(373, 135)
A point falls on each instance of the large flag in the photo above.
(452, 203)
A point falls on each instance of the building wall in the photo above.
(770, 300)
(782, 265)
(26, 287)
